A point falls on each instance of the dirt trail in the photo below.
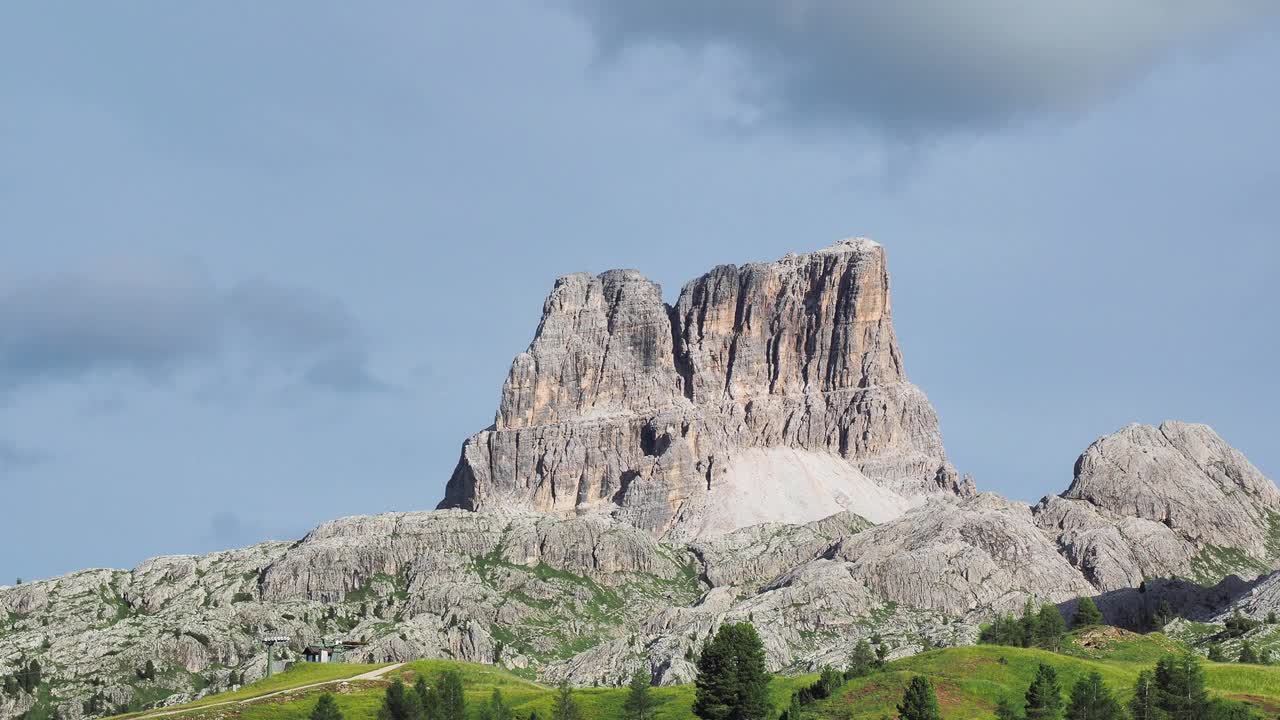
(371, 675)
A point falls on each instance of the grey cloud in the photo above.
(289, 319)
(228, 529)
(14, 457)
(345, 372)
(145, 318)
(916, 68)
(155, 320)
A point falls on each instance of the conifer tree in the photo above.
(326, 708)
(1145, 705)
(639, 704)
(1180, 691)
(1005, 710)
(496, 709)
(1044, 697)
(1086, 614)
(564, 707)
(450, 704)
(919, 701)
(1050, 627)
(1092, 700)
(793, 710)
(861, 661)
(426, 698)
(1247, 653)
(400, 703)
(1215, 653)
(732, 681)
(1027, 624)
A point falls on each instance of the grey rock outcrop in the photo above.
(627, 406)
(1168, 501)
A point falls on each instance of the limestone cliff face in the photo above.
(1173, 500)
(623, 404)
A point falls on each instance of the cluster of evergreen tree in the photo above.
(443, 701)
(1248, 654)
(1044, 628)
(1238, 625)
(829, 680)
(1174, 690)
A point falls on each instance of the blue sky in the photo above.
(266, 264)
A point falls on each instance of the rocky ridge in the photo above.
(608, 531)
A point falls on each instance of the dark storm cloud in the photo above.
(154, 320)
(919, 67)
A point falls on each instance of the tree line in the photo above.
(1173, 690)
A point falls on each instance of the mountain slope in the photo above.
(969, 682)
(753, 452)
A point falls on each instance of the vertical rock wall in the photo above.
(625, 405)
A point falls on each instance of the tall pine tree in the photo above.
(449, 703)
(1005, 710)
(496, 709)
(326, 708)
(1086, 613)
(1044, 697)
(639, 704)
(400, 703)
(564, 707)
(1180, 692)
(919, 701)
(732, 682)
(1145, 704)
(1050, 627)
(1092, 700)
(861, 661)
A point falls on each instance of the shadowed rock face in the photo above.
(625, 405)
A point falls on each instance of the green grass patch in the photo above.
(1215, 562)
(297, 676)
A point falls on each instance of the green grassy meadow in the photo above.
(969, 682)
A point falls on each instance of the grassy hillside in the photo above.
(298, 676)
(969, 682)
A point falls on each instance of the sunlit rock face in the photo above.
(770, 392)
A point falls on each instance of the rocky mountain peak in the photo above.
(674, 418)
(1166, 501)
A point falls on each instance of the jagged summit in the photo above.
(769, 392)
